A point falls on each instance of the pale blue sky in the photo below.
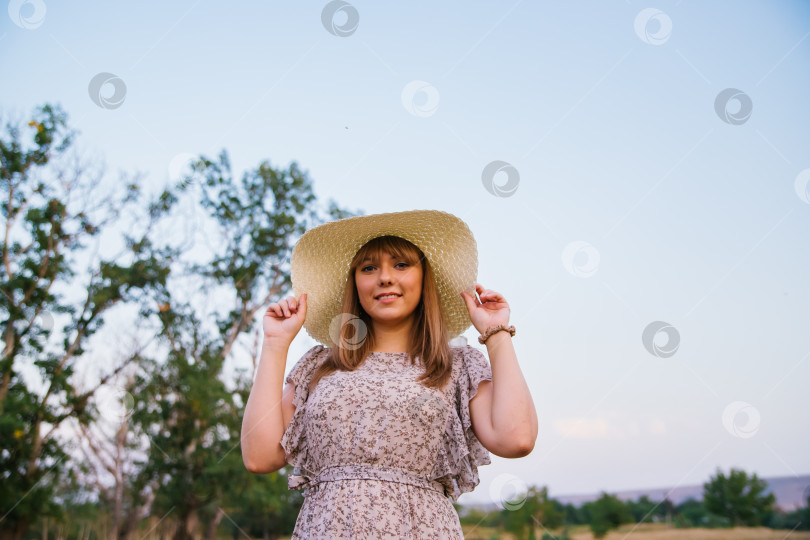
(697, 222)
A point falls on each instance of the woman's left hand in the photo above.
(492, 310)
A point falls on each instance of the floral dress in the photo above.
(379, 455)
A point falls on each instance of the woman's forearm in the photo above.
(513, 413)
(263, 422)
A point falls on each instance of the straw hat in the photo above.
(321, 258)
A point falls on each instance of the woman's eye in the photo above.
(402, 263)
(366, 268)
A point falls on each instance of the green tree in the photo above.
(113, 447)
(51, 210)
(191, 414)
(263, 507)
(738, 497)
(796, 520)
(646, 510)
(606, 513)
(691, 513)
(531, 510)
(478, 518)
(573, 515)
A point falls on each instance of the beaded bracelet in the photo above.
(493, 329)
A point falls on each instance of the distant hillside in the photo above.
(791, 493)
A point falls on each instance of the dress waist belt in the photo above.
(301, 479)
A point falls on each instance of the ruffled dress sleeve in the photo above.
(293, 440)
(462, 453)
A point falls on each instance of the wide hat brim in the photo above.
(322, 256)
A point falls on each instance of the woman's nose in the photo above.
(385, 274)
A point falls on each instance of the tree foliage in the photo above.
(176, 453)
(190, 413)
(529, 511)
(645, 510)
(739, 497)
(51, 211)
(606, 513)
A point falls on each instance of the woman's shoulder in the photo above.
(468, 353)
(470, 367)
(305, 366)
(316, 350)
(467, 358)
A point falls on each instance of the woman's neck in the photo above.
(391, 339)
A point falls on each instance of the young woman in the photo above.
(387, 424)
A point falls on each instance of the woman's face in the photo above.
(389, 275)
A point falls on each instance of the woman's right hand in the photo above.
(283, 319)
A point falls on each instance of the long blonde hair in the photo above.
(429, 340)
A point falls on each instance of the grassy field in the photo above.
(655, 531)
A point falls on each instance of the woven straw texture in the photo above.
(321, 258)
